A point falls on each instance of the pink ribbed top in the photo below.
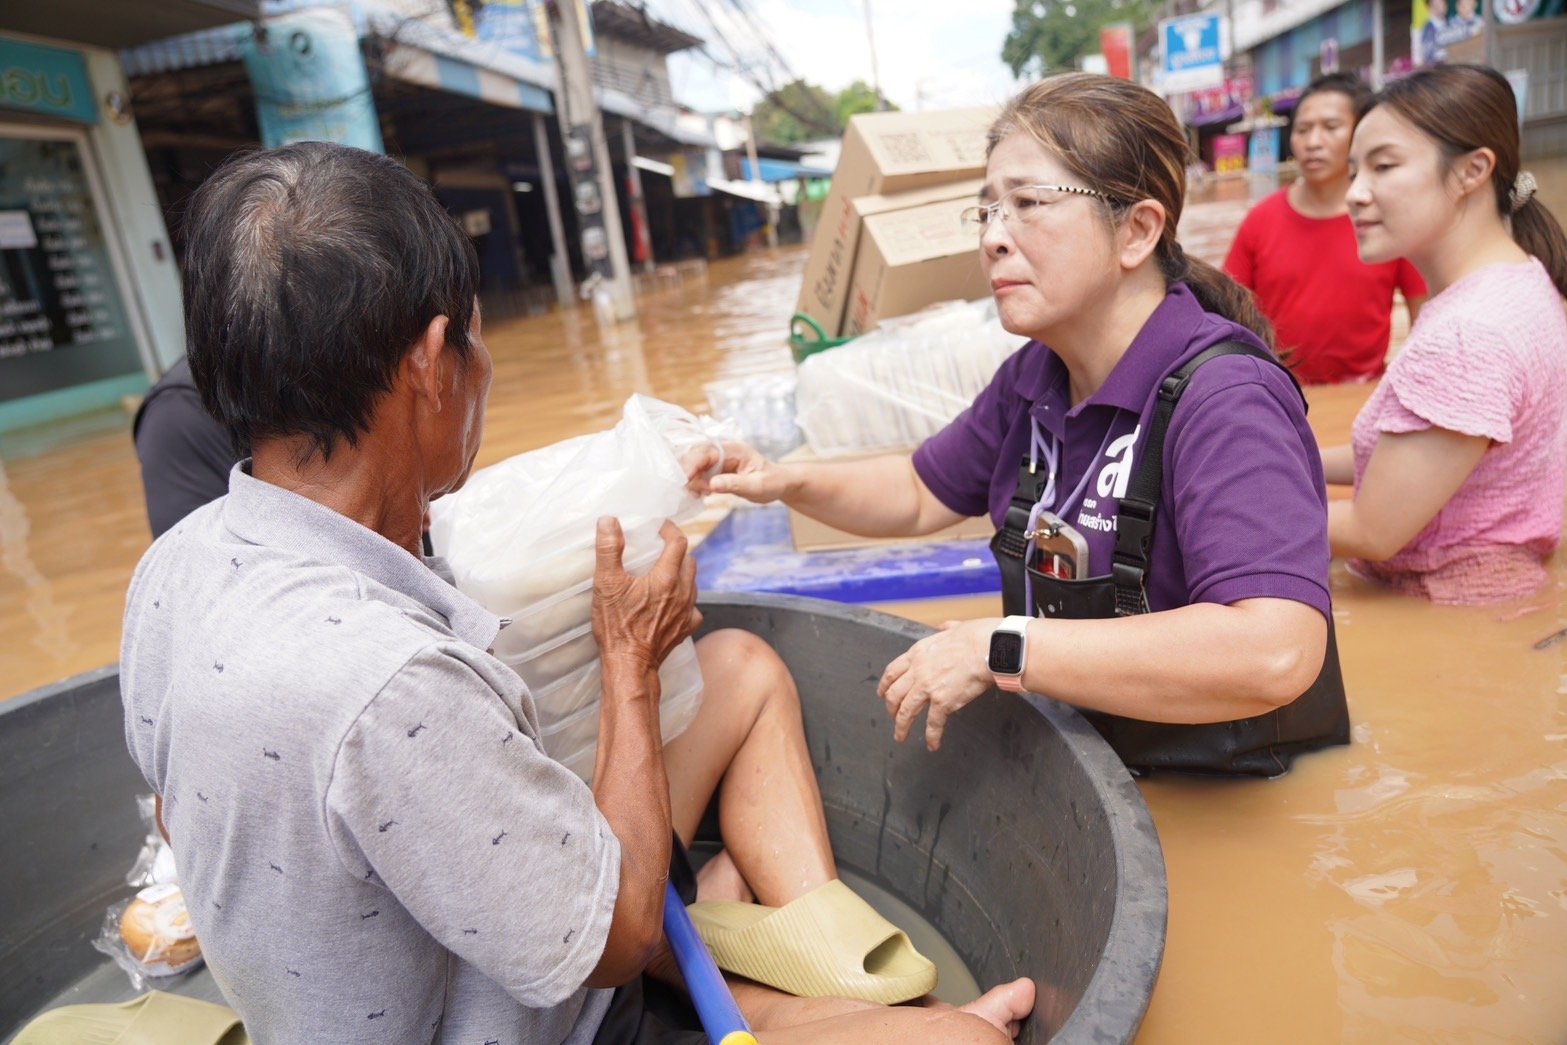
(1486, 357)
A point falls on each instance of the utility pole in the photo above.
(642, 234)
(1491, 43)
(1229, 41)
(870, 38)
(587, 161)
(756, 180)
(560, 261)
(1378, 45)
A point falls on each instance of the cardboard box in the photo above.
(883, 153)
(911, 257)
(812, 536)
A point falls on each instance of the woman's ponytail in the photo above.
(1215, 291)
(1537, 231)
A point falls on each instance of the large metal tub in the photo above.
(1023, 841)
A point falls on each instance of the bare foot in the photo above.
(1005, 1006)
(720, 879)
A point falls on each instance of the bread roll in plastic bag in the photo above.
(519, 538)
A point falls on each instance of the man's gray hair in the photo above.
(309, 272)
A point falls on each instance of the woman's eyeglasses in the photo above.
(1022, 205)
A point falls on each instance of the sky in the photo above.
(931, 54)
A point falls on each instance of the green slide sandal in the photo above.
(155, 1018)
(827, 943)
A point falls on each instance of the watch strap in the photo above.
(1017, 623)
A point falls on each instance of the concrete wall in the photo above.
(1541, 48)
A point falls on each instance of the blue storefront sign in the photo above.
(521, 26)
(1263, 155)
(1193, 52)
(310, 81)
(45, 80)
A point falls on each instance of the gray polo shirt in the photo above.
(372, 844)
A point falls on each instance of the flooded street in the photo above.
(1411, 887)
(72, 523)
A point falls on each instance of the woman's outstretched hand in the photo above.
(742, 472)
(942, 673)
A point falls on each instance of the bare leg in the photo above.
(719, 879)
(748, 744)
(782, 1019)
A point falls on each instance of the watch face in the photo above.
(1006, 653)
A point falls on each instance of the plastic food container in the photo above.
(569, 710)
(540, 625)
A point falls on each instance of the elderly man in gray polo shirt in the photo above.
(373, 844)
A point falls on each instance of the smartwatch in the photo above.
(1009, 652)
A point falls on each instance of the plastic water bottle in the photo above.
(603, 306)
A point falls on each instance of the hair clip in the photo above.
(1523, 189)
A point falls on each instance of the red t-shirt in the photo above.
(1331, 311)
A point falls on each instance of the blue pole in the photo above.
(714, 1003)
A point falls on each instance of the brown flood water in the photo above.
(1412, 887)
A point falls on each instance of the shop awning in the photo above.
(780, 170)
(116, 24)
(190, 51)
(416, 53)
(746, 190)
(665, 121)
(423, 54)
(1228, 114)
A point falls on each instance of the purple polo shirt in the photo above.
(1243, 508)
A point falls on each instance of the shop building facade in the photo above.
(89, 290)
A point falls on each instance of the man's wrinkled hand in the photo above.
(639, 620)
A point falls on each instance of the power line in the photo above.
(742, 66)
(820, 122)
(761, 33)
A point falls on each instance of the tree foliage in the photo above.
(1051, 36)
(801, 111)
(855, 99)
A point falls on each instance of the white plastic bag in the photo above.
(155, 863)
(519, 538)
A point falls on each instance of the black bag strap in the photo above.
(1009, 544)
(1135, 517)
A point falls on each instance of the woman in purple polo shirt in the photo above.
(1166, 497)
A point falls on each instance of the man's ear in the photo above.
(426, 362)
(1140, 232)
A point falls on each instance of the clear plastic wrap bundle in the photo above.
(903, 382)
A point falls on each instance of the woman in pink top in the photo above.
(1458, 457)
